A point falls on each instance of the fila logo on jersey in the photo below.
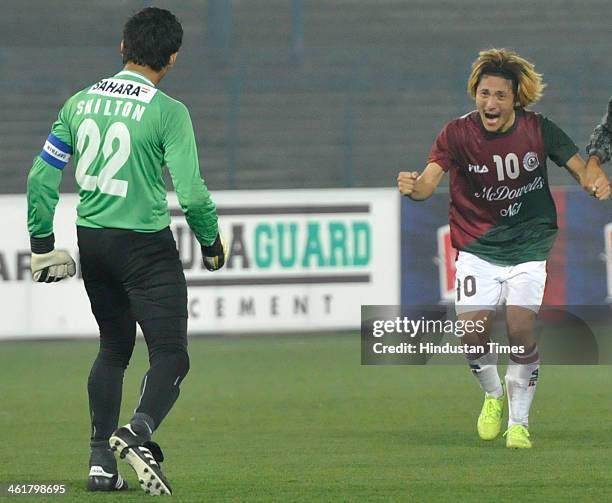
(531, 161)
(477, 168)
(122, 88)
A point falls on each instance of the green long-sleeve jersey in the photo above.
(120, 133)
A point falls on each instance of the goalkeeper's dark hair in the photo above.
(527, 84)
(150, 37)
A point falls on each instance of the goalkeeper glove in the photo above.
(49, 265)
(215, 255)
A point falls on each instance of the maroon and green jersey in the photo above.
(501, 208)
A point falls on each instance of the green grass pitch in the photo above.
(297, 418)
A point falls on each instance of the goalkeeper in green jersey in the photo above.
(121, 132)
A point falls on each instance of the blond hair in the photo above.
(527, 84)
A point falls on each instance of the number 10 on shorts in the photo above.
(467, 287)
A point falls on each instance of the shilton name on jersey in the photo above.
(117, 88)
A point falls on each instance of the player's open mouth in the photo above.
(491, 119)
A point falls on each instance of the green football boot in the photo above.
(490, 419)
(517, 437)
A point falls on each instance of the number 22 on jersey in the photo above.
(89, 133)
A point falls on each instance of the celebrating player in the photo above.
(121, 132)
(503, 221)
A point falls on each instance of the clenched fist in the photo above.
(601, 188)
(597, 183)
(52, 266)
(406, 181)
(215, 255)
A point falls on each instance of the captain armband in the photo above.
(55, 152)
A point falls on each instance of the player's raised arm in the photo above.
(47, 264)
(441, 158)
(420, 187)
(563, 151)
(181, 157)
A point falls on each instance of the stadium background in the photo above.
(294, 94)
(338, 93)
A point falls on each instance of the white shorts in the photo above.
(481, 285)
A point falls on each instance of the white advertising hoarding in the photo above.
(299, 260)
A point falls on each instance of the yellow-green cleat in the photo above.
(517, 437)
(490, 419)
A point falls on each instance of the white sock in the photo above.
(485, 370)
(521, 380)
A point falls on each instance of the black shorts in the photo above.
(136, 271)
